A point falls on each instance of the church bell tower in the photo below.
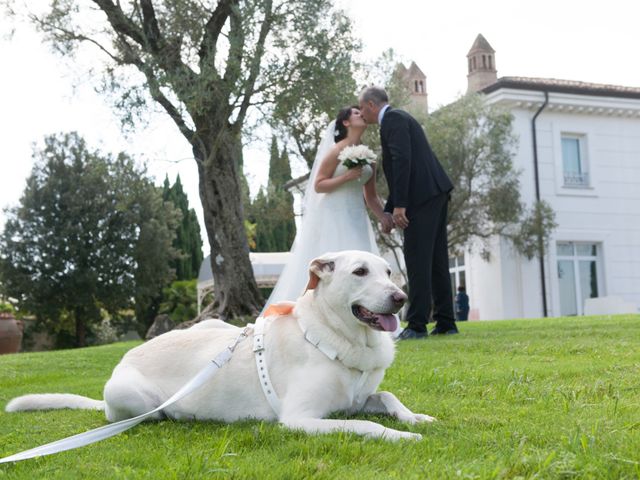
(416, 84)
(481, 61)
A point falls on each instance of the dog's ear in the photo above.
(318, 269)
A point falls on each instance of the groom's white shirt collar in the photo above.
(381, 113)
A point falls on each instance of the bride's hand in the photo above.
(353, 173)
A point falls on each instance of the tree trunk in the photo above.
(81, 328)
(235, 290)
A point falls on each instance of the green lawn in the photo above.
(552, 398)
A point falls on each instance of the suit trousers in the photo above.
(427, 261)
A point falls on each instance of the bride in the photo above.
(334, 213)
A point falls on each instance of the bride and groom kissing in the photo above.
(335, 216)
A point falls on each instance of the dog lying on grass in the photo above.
(327, 354)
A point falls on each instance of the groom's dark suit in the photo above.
(418, 183)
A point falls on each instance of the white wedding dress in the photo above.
(331, 222)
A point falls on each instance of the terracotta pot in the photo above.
(10, 334)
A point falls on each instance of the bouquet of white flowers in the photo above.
(356, 156)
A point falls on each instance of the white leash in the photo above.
(92, 436)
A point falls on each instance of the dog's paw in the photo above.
(421, 417)
(412, 436)
(398, 435)
(414, 418)
(395, 435)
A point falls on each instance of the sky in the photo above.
(41, 94)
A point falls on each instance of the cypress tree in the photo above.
(285, 230)
(188, 241)
(272, 210)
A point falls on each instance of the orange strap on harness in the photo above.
(282, 308)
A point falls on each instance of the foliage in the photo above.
(272, 210)
(180, 301)
(91, 232)
(549, 398)
(250, 230)
(320, 82)
(188, 241)
(6, 307)
(475, 143)
(533, 233)
(105, 332)
(207, 64)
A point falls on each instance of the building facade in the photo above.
(584, 141)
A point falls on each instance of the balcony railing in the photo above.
(576, 179)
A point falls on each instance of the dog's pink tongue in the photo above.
(388, 322)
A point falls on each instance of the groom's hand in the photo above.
(400, 218)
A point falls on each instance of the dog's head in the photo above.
(357, 285)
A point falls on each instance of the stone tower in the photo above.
(416, 83)
(482, 65)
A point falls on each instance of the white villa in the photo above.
(579, 150)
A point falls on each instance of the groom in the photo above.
(418, 197)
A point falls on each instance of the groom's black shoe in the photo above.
(410, 334)
(444, 331)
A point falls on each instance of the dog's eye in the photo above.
(361, 272)
(388, 273)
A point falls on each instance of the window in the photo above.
(490, 61)
(484, 61)
(457, 272)
(574, 167)
(578, 275)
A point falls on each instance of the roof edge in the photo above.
(563, 86)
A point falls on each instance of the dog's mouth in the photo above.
(386, 322)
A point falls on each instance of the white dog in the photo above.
(329, 354)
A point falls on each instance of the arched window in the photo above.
(474, 63)
(416, 86)
(484, 61)
(469, 65)
(421, 87)
(490, 61)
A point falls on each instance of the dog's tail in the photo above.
(51, 401)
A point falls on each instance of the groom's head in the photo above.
(372, 99)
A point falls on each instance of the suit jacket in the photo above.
(413, 172)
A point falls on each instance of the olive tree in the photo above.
(207, 64)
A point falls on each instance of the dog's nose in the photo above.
(399, 298)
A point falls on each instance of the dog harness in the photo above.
(261, 365)
(280, 309)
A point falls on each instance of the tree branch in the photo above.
(172, 110)
(254, 66)
(70, 35)
(150, 39)
(150, 24)
(213, 27)
(236, 50)
(120, 22)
